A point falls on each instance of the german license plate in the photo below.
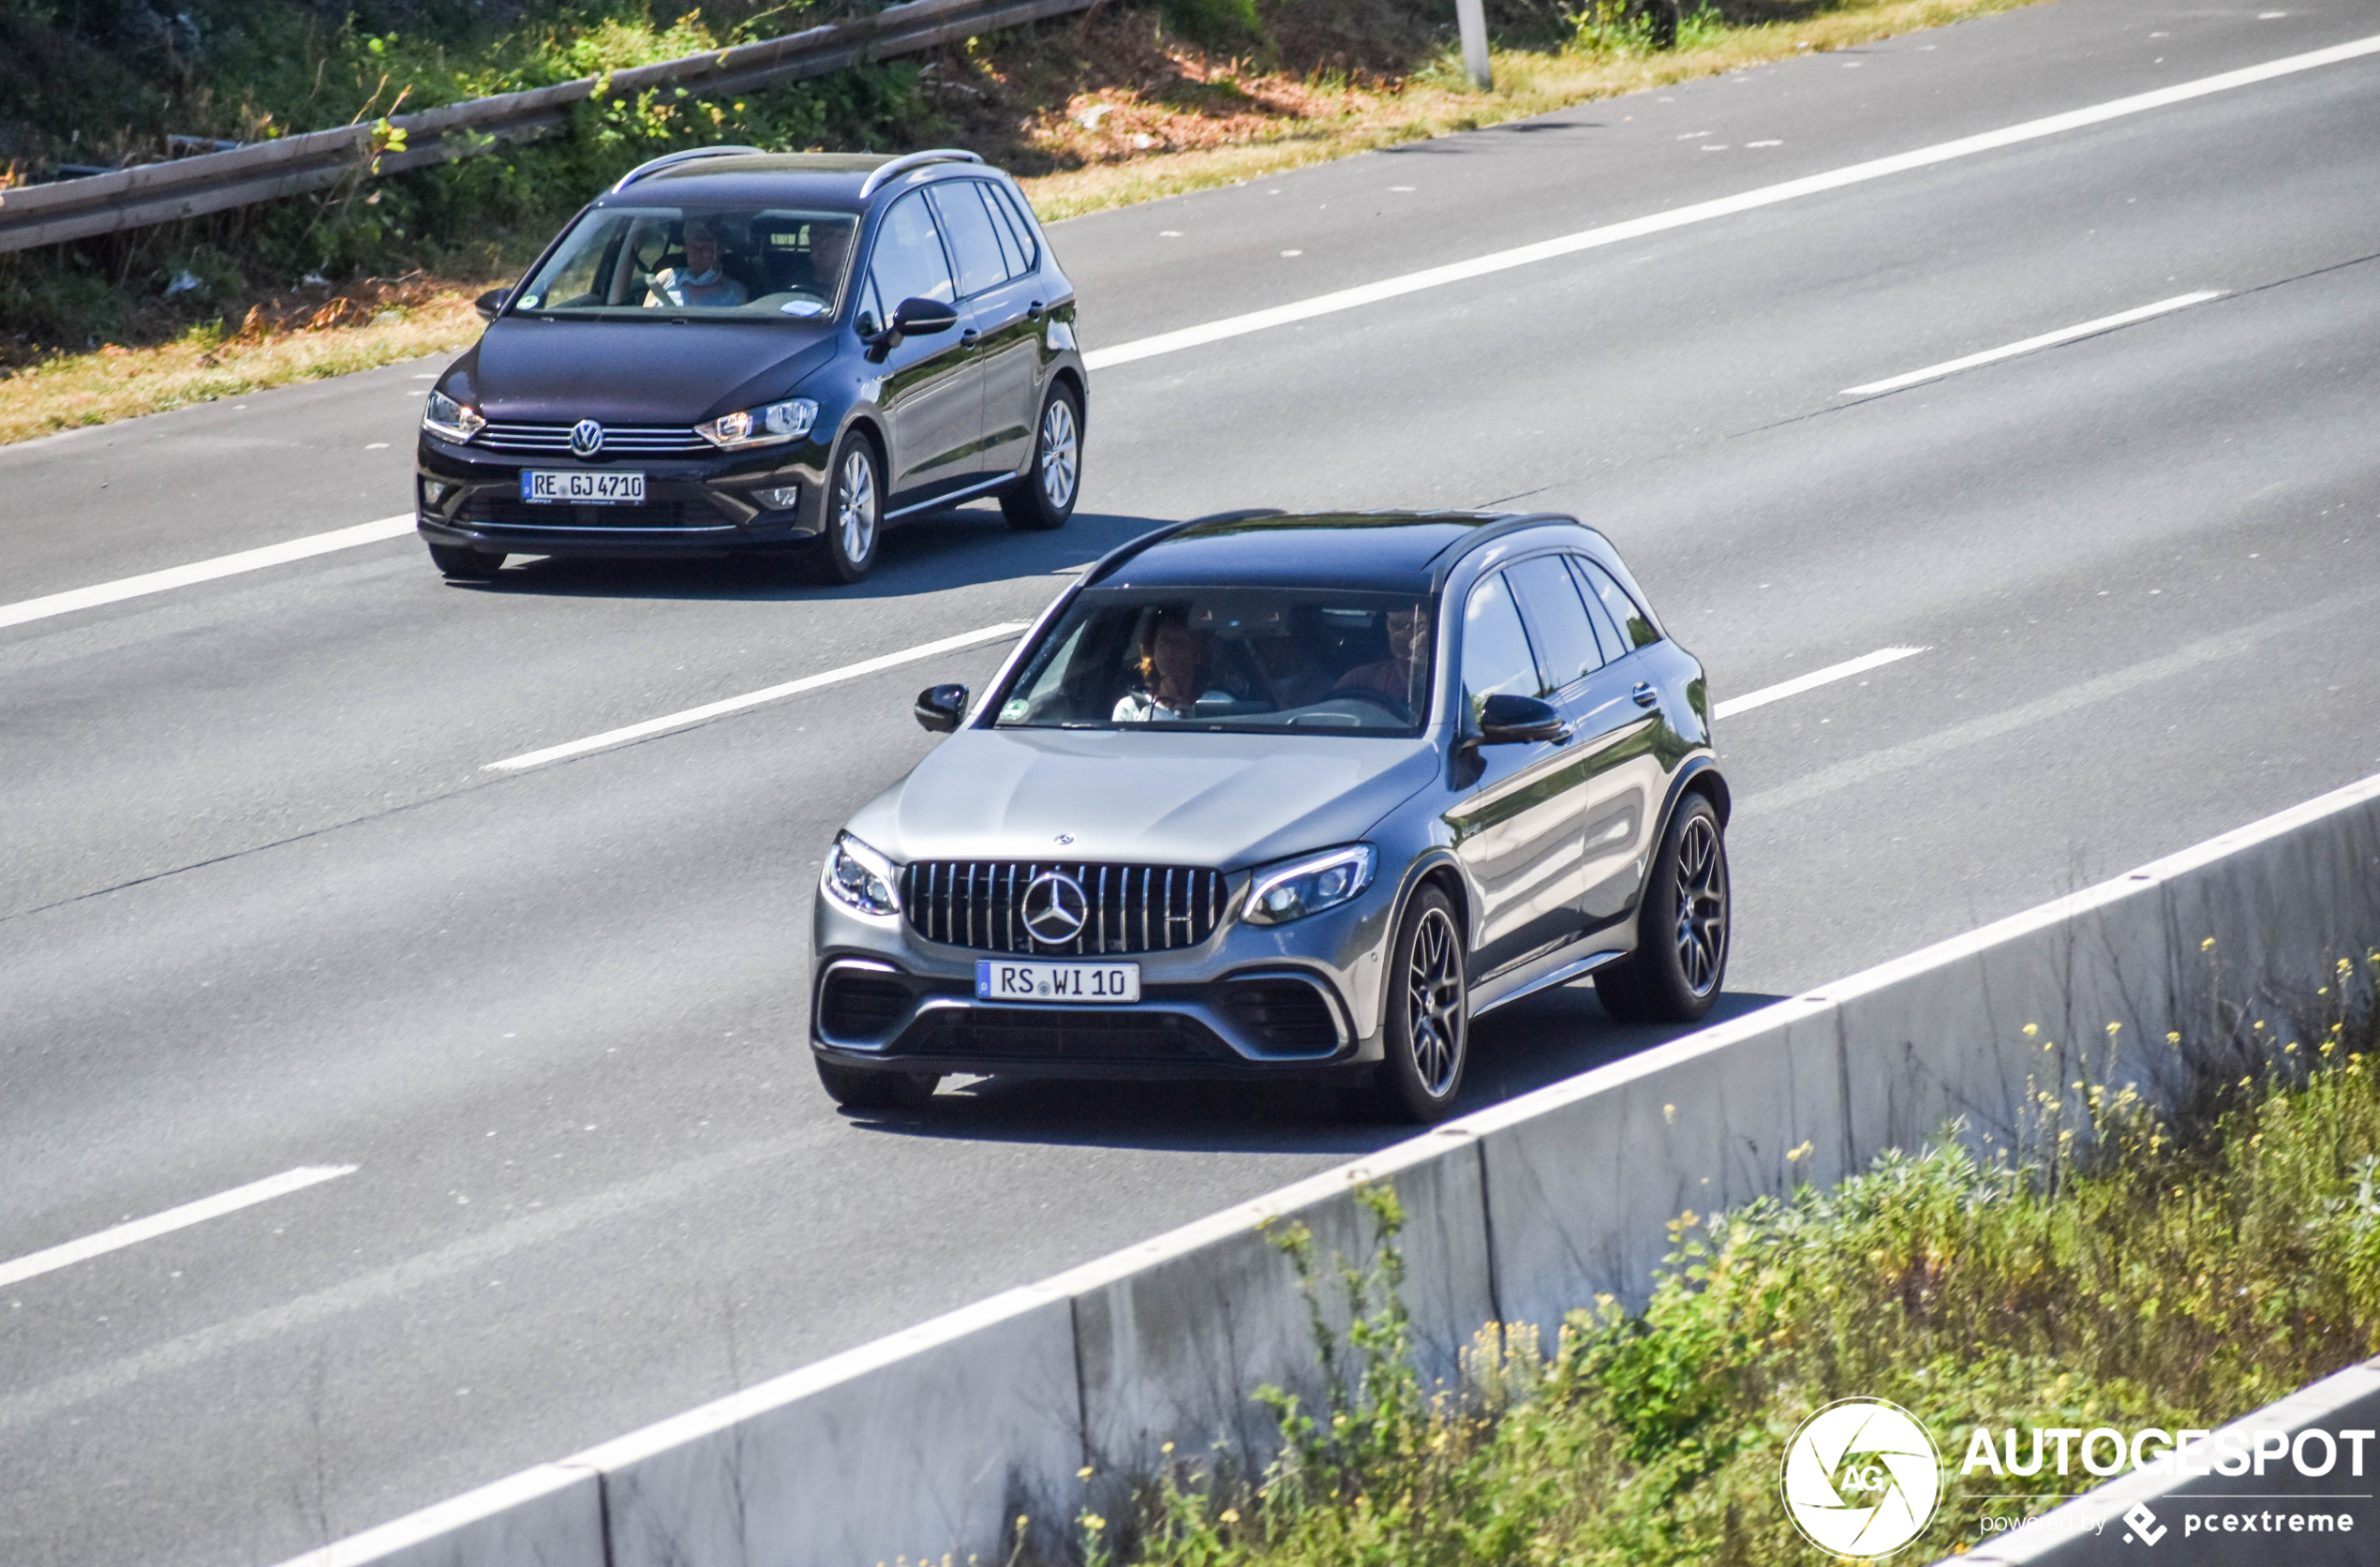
(1104, 984)
(579, 488)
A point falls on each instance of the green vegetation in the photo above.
(2118, 1267)
(1125, 103)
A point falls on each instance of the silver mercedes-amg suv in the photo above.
(1264, 794)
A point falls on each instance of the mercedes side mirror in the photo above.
(491, 304)
(939, 708)
(1508, 720)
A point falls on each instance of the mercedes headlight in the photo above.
(761, 426)
(860, 878)
(441, 415)
(1309, 885)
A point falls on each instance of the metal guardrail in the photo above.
(154, 193)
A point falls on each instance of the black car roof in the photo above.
(1383, 551)
(830, 180)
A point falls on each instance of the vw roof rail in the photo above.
(885, 172)
(668, 160)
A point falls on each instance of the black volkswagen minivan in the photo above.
(733, 351)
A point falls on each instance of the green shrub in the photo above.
(2117, 1266)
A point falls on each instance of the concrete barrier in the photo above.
(930, 1439)
(935, 1440)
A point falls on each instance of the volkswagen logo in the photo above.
(586, 438)
(1055, 908)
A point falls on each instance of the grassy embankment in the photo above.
(2190, 1268)
(1123, 106)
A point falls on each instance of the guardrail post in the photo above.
(1472, 18)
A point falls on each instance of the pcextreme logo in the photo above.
(1862, 1478)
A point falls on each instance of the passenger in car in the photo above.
(1172, 662)
(700, 281)
(1395, 677)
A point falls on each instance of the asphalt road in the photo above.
(261, 907)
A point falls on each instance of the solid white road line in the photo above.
(754, 698)
(2047, 339)
(1702, 212)
(204, 570)
(1810, 681)
(1012, 628)
(1349, 299)
(172, 1219)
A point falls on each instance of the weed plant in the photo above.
(2116, 1265)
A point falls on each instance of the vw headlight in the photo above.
(761, 426)
(441, 415)
(1309, 885)
(857, 877)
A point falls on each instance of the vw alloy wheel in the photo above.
(854, 510)
(1061, 454)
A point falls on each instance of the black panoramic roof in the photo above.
(1384, 551)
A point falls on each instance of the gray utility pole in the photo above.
(1473, 21)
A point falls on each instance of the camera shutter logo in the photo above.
(586, 438)
(1055, 908)
(1862, 1478)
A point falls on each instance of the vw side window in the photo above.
(973, 246)
(1004, 204)
(1497, 656)
(870, 318)
(909, 262)
(1634, 624)
(1558, 622)
(1011, 256)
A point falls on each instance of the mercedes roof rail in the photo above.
(669, 159)
(901, 165)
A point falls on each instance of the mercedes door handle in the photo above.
(1032, 311)
(1644, 694)
(967, 338)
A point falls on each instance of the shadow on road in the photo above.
(1550, 1036)
(924, 554)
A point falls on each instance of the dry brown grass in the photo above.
(1163, 117)
(372, 323)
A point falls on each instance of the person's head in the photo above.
(1170, 651)
(1408, 634)
(829, 243)
(702, 248)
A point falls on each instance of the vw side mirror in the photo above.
(939, 708)
(922, 316)
(491, 304)
(1508, 720)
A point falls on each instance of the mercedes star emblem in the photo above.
(1055, 908)
(586, 438)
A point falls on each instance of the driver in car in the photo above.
(700, 281)
(1392, 678)
(1172, 662)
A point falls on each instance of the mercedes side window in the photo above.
(1004, 205)
(1497, 656)
(1635, 625)
(909, 262)
(1557, 622)
(974, 244)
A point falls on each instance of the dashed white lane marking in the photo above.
(1704, 212)
(754, 698)
(204, 570)
(139, 1229)
(2047, 339)
(1812, 680)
